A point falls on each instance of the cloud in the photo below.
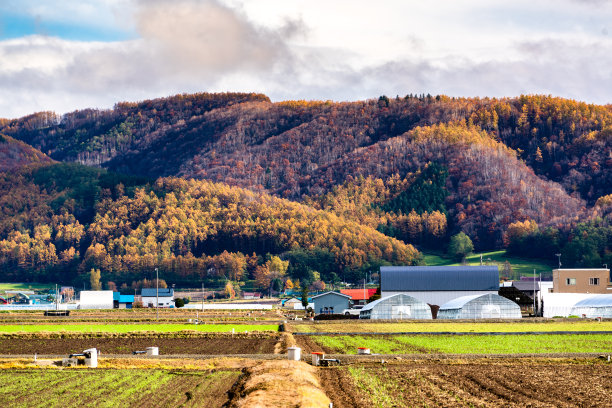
(195, 46)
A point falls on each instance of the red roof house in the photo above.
(359, 296)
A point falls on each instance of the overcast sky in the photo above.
(63, 55)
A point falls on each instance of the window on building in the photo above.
(593, 281)
(570, 281)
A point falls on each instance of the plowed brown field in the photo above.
(211, 344)
(530, 383)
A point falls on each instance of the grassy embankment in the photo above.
(520, 266)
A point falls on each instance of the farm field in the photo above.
(505, 383)
(169, 344)
(463, 344)
(115, 387)
(364, 326)
(136, 327)
(143, 316)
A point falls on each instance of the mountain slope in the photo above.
(15, 154)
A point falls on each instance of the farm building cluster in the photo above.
(474, 292)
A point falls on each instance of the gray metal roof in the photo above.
(435, 278)
(332, 293)
(460, 302)
(526, 286)
(596, 300)
(405, 298)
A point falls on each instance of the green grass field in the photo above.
(520, 266)
(114, 387)
(138, 327)
(467, 344)
(364, 326)
(26, 286)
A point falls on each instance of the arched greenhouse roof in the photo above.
(595, 301)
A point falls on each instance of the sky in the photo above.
(63, 55)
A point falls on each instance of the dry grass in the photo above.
(282, 383)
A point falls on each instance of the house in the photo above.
(330, 302)
(251, 295)
(437, 285)
(166, 297)
(581, 280)
(289, 303)
(359, 296)
(122, 301)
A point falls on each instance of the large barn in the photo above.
(437, 285)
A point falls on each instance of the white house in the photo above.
(149, 296)
(96, 299)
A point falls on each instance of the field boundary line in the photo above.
(445, 333)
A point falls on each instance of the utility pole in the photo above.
(156, 294)
(202, 296)
(534, 293)
(559, 256)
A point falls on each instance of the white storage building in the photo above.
(96, 299)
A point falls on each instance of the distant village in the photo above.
(404, 292)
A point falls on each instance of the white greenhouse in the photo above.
(480, 307)
(398, 306)
(594, 306)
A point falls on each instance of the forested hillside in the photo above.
(60, 221)
(532, 174)
(15, 154)
(246, 140)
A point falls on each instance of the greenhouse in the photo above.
(594, 306)
(480, 307)
(398, 306)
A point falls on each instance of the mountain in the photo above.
(15, 154)
(508, 172)
(246, 140)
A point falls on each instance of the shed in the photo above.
(594, 306)
(480, 307)
(398, 306)
(330, 302)
(437, 285)
(122, 301)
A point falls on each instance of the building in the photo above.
(122, 301)
(359, 296)
(330, 302)
(489, 306)
(398, 306)
(251, 295)
(96, 299)
(166, 297)
(581, 280)
(437, 285)
(594, 306)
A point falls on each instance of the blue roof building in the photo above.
(437, 285)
